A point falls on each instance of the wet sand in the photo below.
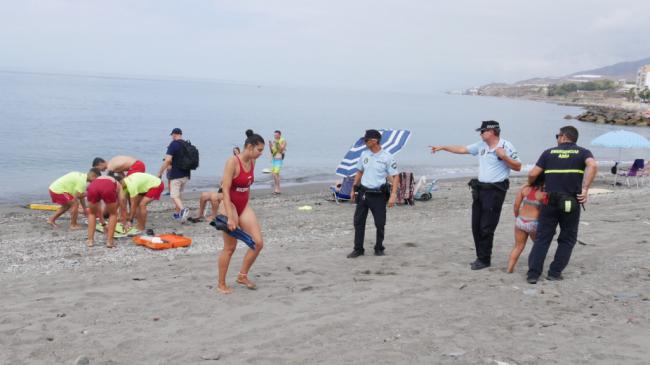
(62, 302)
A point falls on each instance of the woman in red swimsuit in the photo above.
(238, 176)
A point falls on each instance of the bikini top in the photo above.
(531, 198)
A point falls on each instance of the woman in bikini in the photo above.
(526, 207)
(238, 176)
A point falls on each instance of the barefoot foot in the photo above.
(243, 280)
(224, 289)
(75, 227)
(52, 224)
(90, 243)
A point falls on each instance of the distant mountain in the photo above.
(622, 70)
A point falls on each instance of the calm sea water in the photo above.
(53, 124)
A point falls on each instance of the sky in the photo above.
(410, 45)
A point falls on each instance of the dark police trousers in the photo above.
(550, 216)
(486, 211)
(376, 203)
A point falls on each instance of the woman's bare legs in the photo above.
(229, 246)
(520, 242)
(248, 222)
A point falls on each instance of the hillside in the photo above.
(621, 70)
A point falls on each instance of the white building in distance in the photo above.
(643, 78)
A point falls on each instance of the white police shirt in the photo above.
(376, 167)
(490, 168)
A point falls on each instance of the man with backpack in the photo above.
(183, 157)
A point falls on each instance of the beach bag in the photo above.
(406, 188)
(188, 158)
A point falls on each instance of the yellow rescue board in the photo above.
(43, 206)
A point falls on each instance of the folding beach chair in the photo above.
(424, 190)
(343, 191)
(635, 171)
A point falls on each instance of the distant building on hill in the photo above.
(643, 78)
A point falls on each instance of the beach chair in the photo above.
(635, 171)
(424, 190)
(343, 191)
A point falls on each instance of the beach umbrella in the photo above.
(621, 139)
(392, 140)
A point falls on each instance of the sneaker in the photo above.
(176, 216)
(531, 280)
(185, 212)
(354, 254)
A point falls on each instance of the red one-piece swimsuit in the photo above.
(240, 188)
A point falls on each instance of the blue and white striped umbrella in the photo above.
(392, 140)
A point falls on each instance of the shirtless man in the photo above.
(126, 164)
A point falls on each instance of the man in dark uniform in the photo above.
(568, 171)
(371, 191)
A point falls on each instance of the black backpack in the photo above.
(188, 158)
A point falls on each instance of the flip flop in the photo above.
(221, 224)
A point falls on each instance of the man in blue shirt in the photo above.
(496, 157)
(177, 177)
(371, 191)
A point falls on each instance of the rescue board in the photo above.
(35, 206)
(162, 241)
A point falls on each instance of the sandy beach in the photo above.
(64, 303)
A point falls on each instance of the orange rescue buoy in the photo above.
(162, 241)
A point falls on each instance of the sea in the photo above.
(55, 123)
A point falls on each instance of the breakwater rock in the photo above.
(614, 116)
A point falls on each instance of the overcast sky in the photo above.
(417, 45)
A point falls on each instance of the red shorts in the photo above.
(61, 199)
(137, 166)
(102, 189)
(154, 193)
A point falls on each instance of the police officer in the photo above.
(496, 157)
(568, 171)
(371, 191)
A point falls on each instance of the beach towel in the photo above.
(406, 188)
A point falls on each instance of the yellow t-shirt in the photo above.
(71, 183)
(140, 183)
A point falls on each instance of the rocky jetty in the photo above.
(604, 115)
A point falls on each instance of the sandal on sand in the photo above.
(243, 279)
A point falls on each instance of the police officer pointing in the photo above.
(568, 171)
(496, 157)
(371, 191)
